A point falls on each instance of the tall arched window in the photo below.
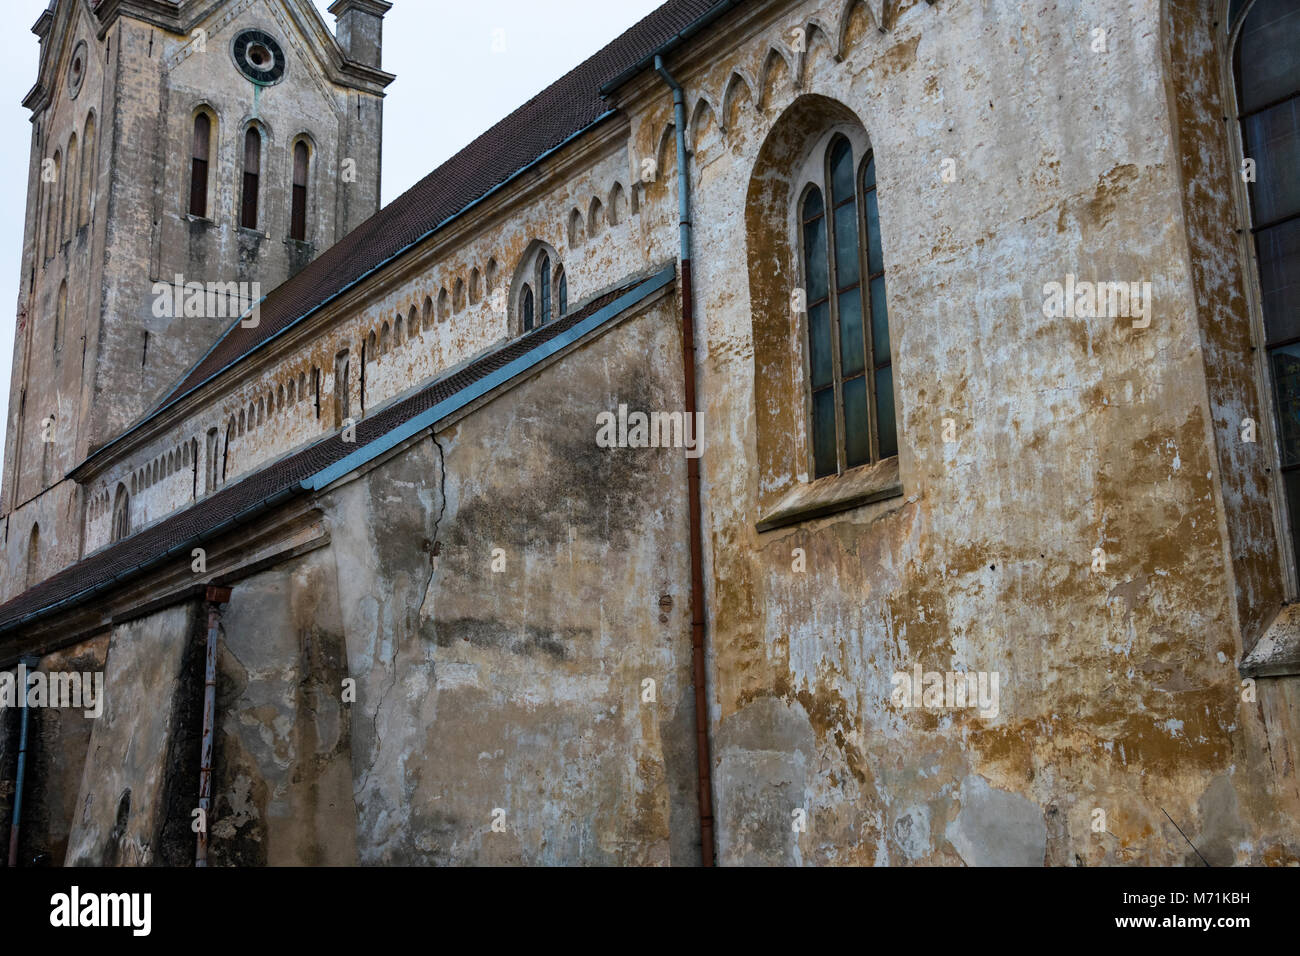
(562, 283)
(1267, 71)
(200, 154)
(61, 316)
(121, 514)
(544, 288)
(33, 569)
(51, 208)
(87, 171)
(850, 380)
(252, 177)
(68, 212)
(526, 308)
(298, 215)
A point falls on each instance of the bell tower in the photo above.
(221, 143)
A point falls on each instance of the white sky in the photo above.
(450, 87)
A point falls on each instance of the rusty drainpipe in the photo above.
(702, 749)
(215, 598)
(26, 665)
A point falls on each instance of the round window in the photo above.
(77, 70)
(258, 57)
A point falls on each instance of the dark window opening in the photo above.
(298, 215)
(544, 288)
(199, 166)
(252, 177)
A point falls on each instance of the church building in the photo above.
(808, 432)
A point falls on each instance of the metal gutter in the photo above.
(699, 618)
(355, 282)
(25, 665)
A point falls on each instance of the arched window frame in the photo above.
(1233, 14)
(71, 182)
(89, 162)
(52, 193)
(61, 317)
(199, 202)
(300, 160)
(526, 308)
(545, 311)
(851, 448)
(32, 571)
(251, 161)
(121, 525)
(537, 273)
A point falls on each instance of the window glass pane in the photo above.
(841, 171)
(852, 344)
(824, 459)
(1293, 502)
(528, 308)
(819, 336)
(1279, 278)
(879, 322)
(869, 174)
(814, 244)
(1270, 52)
(885, 423)
(812, 204)
(1272, 139)
(544, 289)
(1286, 388)
(847, 270)
(857, 434)
(564, 293)
(875, 261)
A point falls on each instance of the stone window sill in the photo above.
(835, 493)
(1277, 653)
(204, 220)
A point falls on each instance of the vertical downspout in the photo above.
(702, 749)
(26, 664)
(215, 598)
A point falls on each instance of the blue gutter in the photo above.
(374, 449)
(361, 278)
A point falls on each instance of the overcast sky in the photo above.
(450, 87)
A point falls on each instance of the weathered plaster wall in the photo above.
(283, 782)
(58, 738)
(521, 690)
(140, 778)
(1118, 688)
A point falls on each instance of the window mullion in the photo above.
(868, 321)
(837, 367)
